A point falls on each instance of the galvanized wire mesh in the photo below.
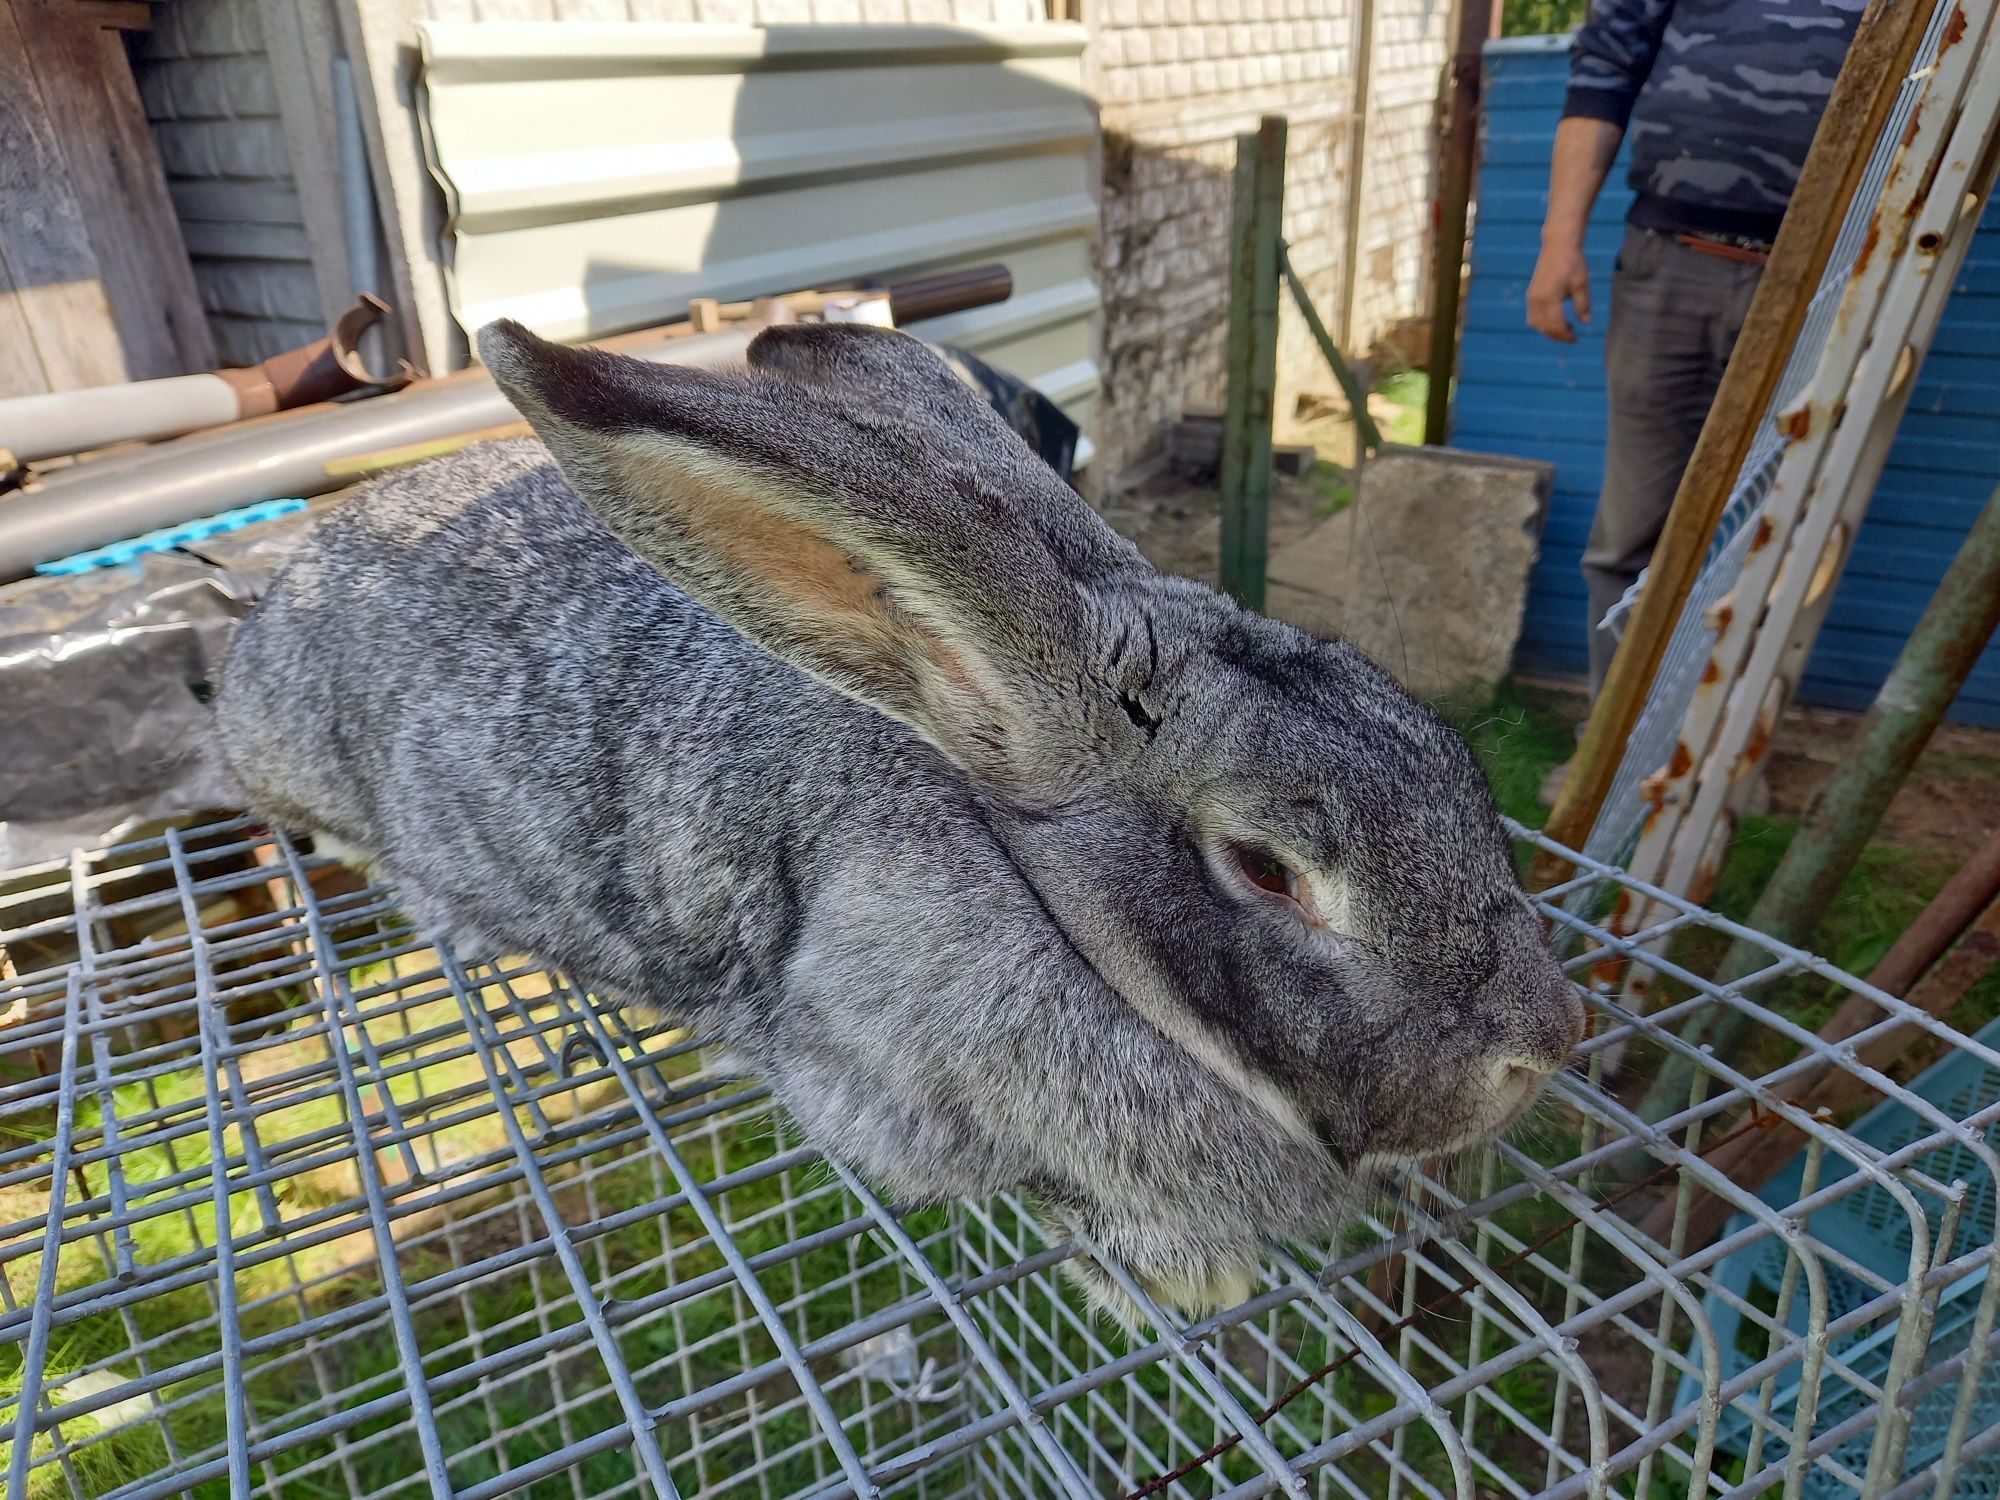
(1651, 745)
(292, 1203)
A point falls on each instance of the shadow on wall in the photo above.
(1164, 266)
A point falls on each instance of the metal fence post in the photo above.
(1252, 360)
(1365, 430)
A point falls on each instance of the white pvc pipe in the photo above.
(46, 426)
(92, 505)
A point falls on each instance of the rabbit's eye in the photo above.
(1265, 870)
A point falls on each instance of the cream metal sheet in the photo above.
(599, 175)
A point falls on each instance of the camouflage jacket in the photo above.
(1719, 98)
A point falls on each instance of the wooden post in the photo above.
(1461, 145)
(1361, 47)
(1877, 64)
(111, 167)
(1252, 368)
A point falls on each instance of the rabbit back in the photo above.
(543, 745)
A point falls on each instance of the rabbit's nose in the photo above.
(1554, 1026)
(1513, 1082)
(1549, 1034)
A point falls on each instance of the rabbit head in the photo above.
(1268, 850)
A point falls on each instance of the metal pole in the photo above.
(1930, 670)
(85, 506)
(1877, 63)
(1252, 369)
(1357, 399)
(302, 453)
(1461, 145)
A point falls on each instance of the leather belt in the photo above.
(1725, 250)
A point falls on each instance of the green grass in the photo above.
(707, 1338)
(1335, 488)
(1519, 739)
(1410, 390)
(1540, 17)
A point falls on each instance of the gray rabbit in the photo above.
(804, 704)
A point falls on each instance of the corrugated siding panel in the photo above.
(737, 12)
(211, 99)
(602, 175)
(1520, 394)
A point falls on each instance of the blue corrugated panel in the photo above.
(1520, 394)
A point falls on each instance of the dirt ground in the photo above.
(1173, 519)
(1947, 808)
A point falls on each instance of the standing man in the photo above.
(1721, 99)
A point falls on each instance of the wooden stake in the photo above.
(1461, 146)
(1361, 47)
(1252, 366)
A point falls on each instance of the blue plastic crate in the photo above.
(1871, 1229)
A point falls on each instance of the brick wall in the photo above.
(206, 80)
(1178, 79)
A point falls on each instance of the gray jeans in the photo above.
(1675, 314)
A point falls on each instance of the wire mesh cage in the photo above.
(294, 1203)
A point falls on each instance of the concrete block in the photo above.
(1427, 572)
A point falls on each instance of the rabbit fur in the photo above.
(803, 704)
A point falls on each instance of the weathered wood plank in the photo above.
(114, 171)
(57, 291)
(21, 371)
(117, 15)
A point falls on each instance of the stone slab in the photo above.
(1427, 571)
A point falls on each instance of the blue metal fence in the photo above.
(1520, 394)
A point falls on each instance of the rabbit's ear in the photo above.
(848, 505)
(892, 370)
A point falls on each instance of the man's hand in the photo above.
(1584, 151)
(1561, 275)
